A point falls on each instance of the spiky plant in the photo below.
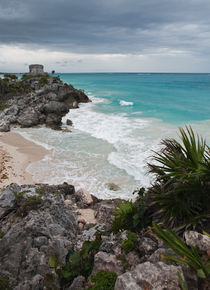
(186, 256)
(180, 195)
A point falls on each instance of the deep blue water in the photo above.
(173, 98)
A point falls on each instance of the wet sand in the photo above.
(16, 153)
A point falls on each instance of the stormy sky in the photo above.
(105, 35)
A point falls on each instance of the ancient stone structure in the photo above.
(36, 69)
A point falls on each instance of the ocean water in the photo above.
(114, 136)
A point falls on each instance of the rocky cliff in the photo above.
(55, 238)
(35, 100)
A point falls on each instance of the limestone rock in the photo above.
(46, 229)
(105, 209)
(53, 120)
(84, 197)
(13, 110)
(113, 186)
(147, 275)
(38, 103)
(197, 240)
(7, 199)
(28, 118)
(88, 235)
(55, 107)
(77, 284)
(156, 256)
(147, 246)
(4, 126)
(69, 122)
(107, 262)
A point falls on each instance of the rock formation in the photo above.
(40, 229)
(35, 100)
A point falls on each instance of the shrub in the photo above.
(10, 76)
(103, 280)
(132, 216)
(4, 284)
(24, 204)
(129, 244)
(123, 219)
(180, 195)
(79, 263)
(44, 80)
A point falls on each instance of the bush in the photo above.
(79, 263)
(44, 80)
(10, 76)
(123, 219)
(180, 195)
(4, 284)
(103, 281)
(132, 216)
(129, 244)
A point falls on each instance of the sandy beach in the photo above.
(16, 153)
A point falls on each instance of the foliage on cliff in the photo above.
(179, 196)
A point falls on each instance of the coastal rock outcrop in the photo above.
(35, 227)
(40, 229)
(37, 99)
(147, 275)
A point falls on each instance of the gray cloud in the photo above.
(107, 26)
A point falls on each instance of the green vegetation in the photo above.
(10, 76)
(103, 281)
(122, 259)
(56, 79)
(49, 282)
(123, 219)
(132, 215)
(129, 244)
(53, 262)
(79, 263)
(4, 284)
(44, 80)
(4, 106)
(40, 190)
(188, 257)
(182, 282)
(180, 195)
(25, 204)
(19, 196)
(10, 87)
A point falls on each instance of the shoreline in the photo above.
(16, 154)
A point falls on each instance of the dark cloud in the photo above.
(107, 26)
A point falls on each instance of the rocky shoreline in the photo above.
(45, 101)
(42, 226)
(53, 237)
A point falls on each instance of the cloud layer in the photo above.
(161, 29)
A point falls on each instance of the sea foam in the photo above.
(124, 103)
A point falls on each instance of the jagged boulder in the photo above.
(39, 104)
(29, 118)
(35, 225)
(158, 276)
(4, 126)
(56, 107)
(197, 240)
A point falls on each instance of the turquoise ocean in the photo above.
(114, 136)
